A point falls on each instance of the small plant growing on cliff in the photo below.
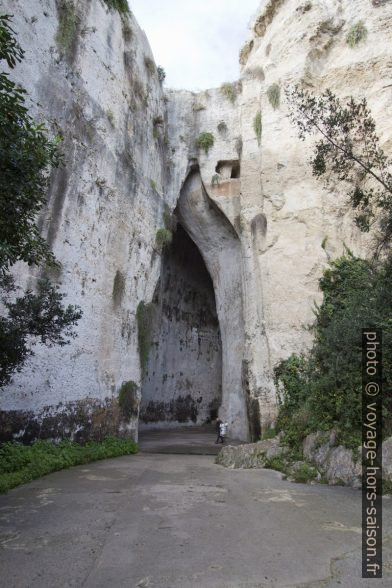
(153, 185)
(150, 66)
(67, 27)
(161, 74)
(205, 141)
(120, 5)
(163, 239)
(348, 150)
(273, 94)
(128, 400)
(258, 126)
(229, 91)
(356, 34)
(110, 116)
(144, 327)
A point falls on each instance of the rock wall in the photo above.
(263, 225)
(88, 73)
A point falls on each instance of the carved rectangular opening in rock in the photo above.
(182, 384)
(229, 170)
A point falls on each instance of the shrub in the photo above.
(304, 473)
(356, 34)
(120, 5)
(20, 464)
(128, 400)
(153, 183)
(205, 141)
(273, 94)
(161, 74)
(229, 90)
(323, 389)
(144, 324)
(163, 239)
(258, 126)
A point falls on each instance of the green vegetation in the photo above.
(120, 5)
(144, 320)
(163, 239)
(67, 29)
(198, 107)
(304, 474)
(118, 288)
(322, 390)
(277, 463)
(128, 400)
(229, 90)
(273, 94)
(27, 158)
(269, 434)
(258, 126)
(21, 463)
(356, 34)
(110, 116)
(153, 184)
(205, 141)
(150, 66)
(348, 149)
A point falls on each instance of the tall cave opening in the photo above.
(182, 381)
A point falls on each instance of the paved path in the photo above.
(180, 521)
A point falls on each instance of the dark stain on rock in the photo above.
(84, 420)
(182, 409)
(252, 405)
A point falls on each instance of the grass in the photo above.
(205, 141)
(120, 5)
(229, 91)
(273, 94)
(277, 463)
(258, 126)
(67, 28)
(20, 464)
(356, 34)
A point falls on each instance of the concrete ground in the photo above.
(159, 520)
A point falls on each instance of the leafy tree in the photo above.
(324, 389)
(26, 157)
(347, 149)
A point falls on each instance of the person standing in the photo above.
(218, 431)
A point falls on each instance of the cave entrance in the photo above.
(182, 383)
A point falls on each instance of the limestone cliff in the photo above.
(249, 203)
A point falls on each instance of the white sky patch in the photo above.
(196, 43)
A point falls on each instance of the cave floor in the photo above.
(198, 440)
(180, 521)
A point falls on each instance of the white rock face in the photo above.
(249, 202)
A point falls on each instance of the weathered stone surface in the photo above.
(249, 455)
(250, 203)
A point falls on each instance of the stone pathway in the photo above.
(180, 521)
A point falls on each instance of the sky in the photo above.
(197, 43)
